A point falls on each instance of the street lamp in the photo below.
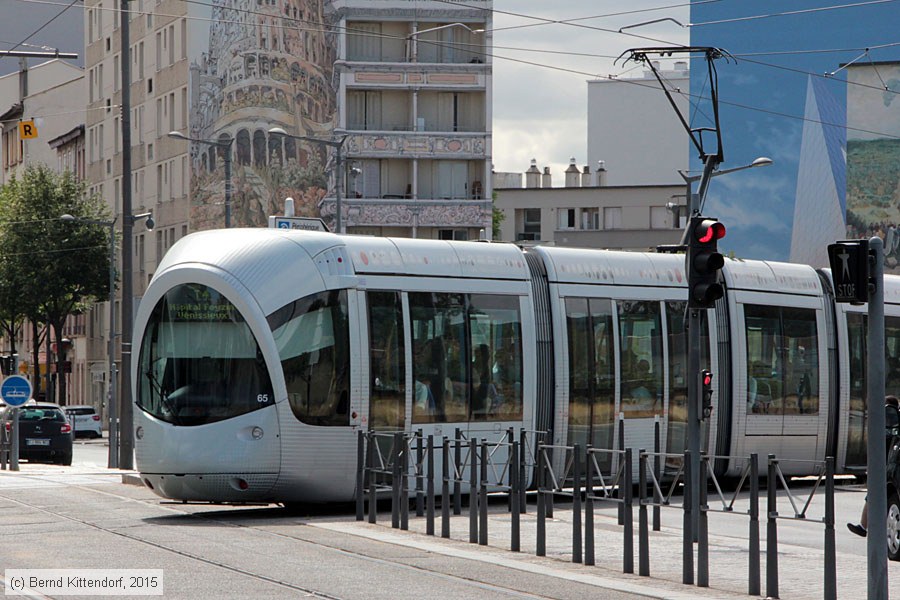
(226, 144)
(111, 412)
(338, 166)
(412, 48)
(762, 161)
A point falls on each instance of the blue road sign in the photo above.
(15, 390)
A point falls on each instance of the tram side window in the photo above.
(678, 358)
(439, 350)
(313, 340)
(496, 337)
(892, 360)
(782, 360)
(640, 334)
(591, 372)
(467, 357)
(387, 375)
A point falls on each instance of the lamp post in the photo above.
(412, 41)
(111, 410)
(112, 400)
(226, 144)
(338, 166)
(695, 205)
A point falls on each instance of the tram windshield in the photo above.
(199, 362)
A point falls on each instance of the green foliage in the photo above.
(50, 268)
(497, 217)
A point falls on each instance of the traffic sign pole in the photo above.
(15, 391)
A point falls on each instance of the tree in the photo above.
(56, 268)
(497, 217)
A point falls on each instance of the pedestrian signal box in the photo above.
(849, 261)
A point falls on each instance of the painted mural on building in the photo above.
(873, 156)
(265, 64)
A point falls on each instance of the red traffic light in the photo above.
(707, 378)
(709, 231)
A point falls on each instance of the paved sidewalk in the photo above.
(800, 563)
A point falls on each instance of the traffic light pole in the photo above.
(693, 416)
(695, 203)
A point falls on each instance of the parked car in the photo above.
(84, 420)
(45, 434)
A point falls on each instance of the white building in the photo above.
(42, 94)
(633, 128)
(586, 215)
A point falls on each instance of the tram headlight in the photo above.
(257, 433)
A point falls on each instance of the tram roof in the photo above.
(435, 258)
(247, 251)
(609, 267)
(771, 276)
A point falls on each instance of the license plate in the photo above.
(37, 442)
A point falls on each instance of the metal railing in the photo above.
(388, 461)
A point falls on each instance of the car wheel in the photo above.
(66, 460)
(893, 527)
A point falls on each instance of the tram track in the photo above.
(478, 586)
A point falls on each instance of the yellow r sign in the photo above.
(27, 130)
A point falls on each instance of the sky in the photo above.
(540, 109)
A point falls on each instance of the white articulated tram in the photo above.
(263, 352)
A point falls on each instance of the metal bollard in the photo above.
(628, 512)
(482, 496)
(395, 481)
(510, 437)
(515, 542)
(657, 472)
(541, 542)
(420, 493)
(576, 504)
(429, 518)
(404, 488)
(620, 494)
(445, 490)
(703, 528)
(589, 508)
(360, 473)
(687, 543)
(772, 530)
(643, 533)
(830, 562)
(457, 462)
(373, 494)
(753, 578)
(523, 479)
(473, 492)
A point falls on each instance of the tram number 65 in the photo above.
(262, 398)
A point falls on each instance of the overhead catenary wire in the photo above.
(46, 23)
(330, 29)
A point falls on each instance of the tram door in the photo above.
(677, 351)
(857, 425)
(589, 324)
(787, 401)
(387, 371)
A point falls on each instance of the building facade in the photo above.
(585, 215)
(384, 105)
(635, 131)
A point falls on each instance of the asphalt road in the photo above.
(84, 517)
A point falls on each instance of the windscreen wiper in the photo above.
(163, 396)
